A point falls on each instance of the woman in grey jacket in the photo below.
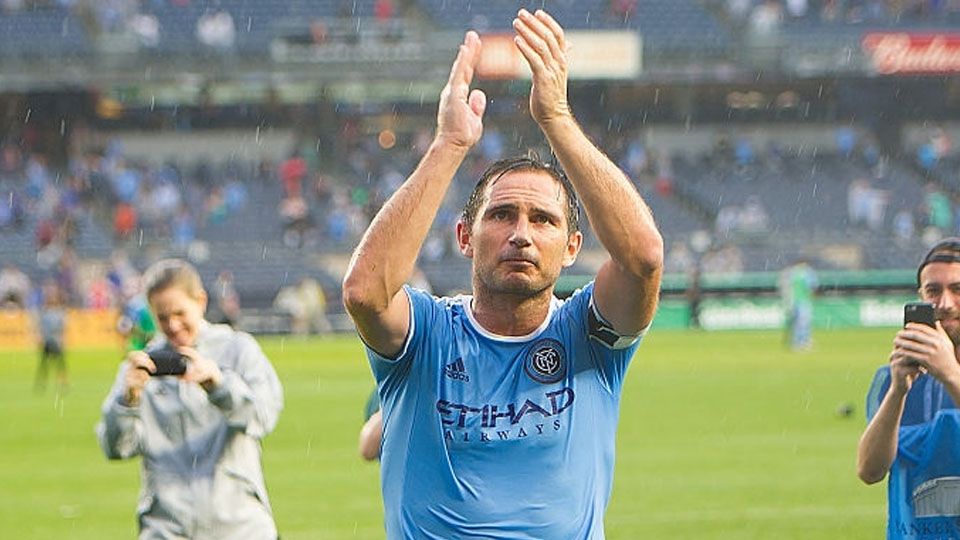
(199, 431)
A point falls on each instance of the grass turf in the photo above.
(722, 436)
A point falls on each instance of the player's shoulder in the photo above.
(421, 299)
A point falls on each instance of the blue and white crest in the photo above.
(546, 362)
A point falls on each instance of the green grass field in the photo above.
(722, 436)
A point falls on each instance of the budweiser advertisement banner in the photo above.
(912, 52)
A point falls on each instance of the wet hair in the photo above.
(530, 162)
(168, 273)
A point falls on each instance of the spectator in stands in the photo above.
(904, 227)
(124, 221)
(292, 172)
(296, 220)
(14, 287)
(227, 300)
(858, 201)
(512, 341)
(216, 30)
(205, 477)
(51, 323)
(679, 258)
(766, 18)
(938, 208)
(912, 411)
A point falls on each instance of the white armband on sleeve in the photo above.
(603, 332)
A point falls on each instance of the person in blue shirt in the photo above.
(914, 425)
(500, 407)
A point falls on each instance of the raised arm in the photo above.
(627, 286)
(385, 257)
(878, 444)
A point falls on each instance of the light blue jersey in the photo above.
(924, 485)
(489, 436)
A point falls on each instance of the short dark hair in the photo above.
(946, 250)
(530, 162)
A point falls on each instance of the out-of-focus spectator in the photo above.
(753, 216)
(679, 258)
(147, 29)
(938, 208)
(295, 219)
(904, 227)
(306, 303)
(14, 287)
(226, 300)
(728, 259)
(217, 31)
(124, 221)
(766, 18)
(292, 172)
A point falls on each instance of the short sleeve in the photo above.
(878, 389)
(424, 310)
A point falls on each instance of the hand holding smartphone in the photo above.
(168, 362)
(919, 312)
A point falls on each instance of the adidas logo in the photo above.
(456, 371)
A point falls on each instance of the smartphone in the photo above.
(168, 362)
(919, 312)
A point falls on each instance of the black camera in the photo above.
(168, 362)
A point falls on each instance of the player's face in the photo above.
(940, 285)
(519, 241)
(179, 314)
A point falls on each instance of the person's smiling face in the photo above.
(940, 285)
(179, 314)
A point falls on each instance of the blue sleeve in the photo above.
(598, 347)
(878, 389)
(425, 310)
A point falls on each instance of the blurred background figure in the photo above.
(306, 304)
(14, 287)
(798, 284)
(51, 324)
(226, 307)
(135, 324)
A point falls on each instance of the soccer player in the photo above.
(914, 425)
(500, 408)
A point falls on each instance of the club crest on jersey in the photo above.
(546, 362)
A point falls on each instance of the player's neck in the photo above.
(509, 315)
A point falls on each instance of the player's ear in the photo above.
(574, 243)
(464, 239)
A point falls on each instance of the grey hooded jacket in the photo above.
(201, 476)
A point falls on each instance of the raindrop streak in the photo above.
(249, 23)
(153, 102)
(140, 240)
(27, 117)
(63, 126)
(263, 253)
(257, 136)
(283, 343)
